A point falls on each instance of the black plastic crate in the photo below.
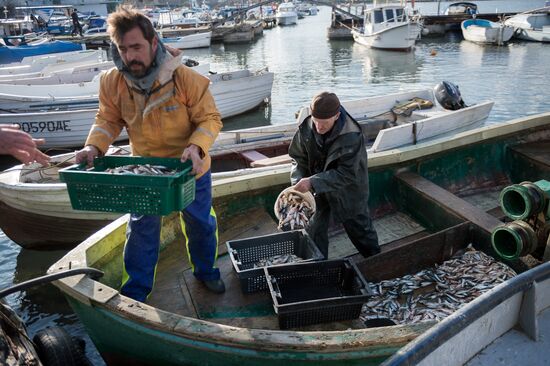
(319, 292)
(245, 253)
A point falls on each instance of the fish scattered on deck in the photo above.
(435, 293)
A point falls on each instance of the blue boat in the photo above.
(17, 53)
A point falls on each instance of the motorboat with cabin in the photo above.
(388, 27)
(286, 14)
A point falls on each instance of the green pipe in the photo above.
(514, 239)
(524, 200)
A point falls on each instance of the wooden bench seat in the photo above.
(281, 159)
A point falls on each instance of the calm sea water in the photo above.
(515, 76)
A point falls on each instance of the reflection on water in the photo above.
(387, 66)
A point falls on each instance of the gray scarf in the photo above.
(145, 83)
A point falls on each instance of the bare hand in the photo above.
(193, 152)
(303, 185)
(21, 145)
(87, 154)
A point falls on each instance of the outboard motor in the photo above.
(448, 96)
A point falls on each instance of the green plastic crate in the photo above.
(95, 190)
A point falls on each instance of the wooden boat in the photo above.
(436, 197)
(196, 40)
(235, 92)
(484, 31)
(387, 27)
(531, 26)
(28, 196)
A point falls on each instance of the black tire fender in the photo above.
(56, 347)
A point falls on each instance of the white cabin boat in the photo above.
(532, 26)
(485, 31)
(388, 27)
(286, 14)
(197, 40)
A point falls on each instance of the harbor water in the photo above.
(516, 77)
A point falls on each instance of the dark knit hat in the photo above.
(325, 105)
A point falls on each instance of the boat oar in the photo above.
(92, 272)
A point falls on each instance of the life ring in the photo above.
(56, 347)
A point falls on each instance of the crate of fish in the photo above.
(142, 185)
(318, 292)
(249, 256)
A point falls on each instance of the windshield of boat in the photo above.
(378, 16)
(389, 15)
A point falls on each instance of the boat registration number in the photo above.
(50, 126)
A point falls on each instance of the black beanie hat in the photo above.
(325, 105)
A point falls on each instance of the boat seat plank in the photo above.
(252, 155)
(537, 152)
(449, 201)
(281, 159)
(389, 228)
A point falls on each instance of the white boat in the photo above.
(239, 91)
(484, 31)
(421, 124)
(234, 92)
(197, 40)
(78, 72)
(531, 26)
(36, 193)
(388, 27)
(286, 14)
(60, 129)
(37, 63)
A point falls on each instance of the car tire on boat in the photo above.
(56, 347)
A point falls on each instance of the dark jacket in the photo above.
(339, 170)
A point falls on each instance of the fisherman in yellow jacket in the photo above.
(168, 111)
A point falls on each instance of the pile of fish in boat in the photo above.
(278, 259)
(144, 169)
(435, 293)
(294, 211)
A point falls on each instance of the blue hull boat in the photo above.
(16, 53)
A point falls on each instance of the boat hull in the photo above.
(400, 38)
(60, 129)
(197, 40)
(29, 230)
(474, 30)
(129, 342)
(287, 19)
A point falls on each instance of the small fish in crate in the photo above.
(145, 169)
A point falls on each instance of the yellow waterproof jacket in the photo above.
(179, 111)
